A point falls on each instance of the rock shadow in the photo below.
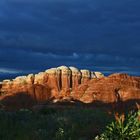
(17, 101)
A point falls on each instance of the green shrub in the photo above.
(127, 128)
(53, 124)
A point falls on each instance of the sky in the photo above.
(99, 35)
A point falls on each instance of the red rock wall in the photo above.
(83, 85)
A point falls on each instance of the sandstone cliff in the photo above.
(69, 82)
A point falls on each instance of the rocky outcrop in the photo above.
(65, 78)
(54, 79)
(71, 83)
(111, 89)
(86, 76)
(54, 82)
(75, 78)
(98, 74)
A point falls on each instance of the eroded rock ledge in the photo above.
(69, 82)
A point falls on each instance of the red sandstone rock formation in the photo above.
(69, 82)
(111, 89)
(75, 78)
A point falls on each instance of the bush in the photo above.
(127, 128)
(53, 124)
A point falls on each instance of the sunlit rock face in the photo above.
(86, 76)
(69, 82)
(65, 77)
(40, 78)
(112, 89)
(98, 74)
(93, 75)
(54, 82)
(54, 78)
(76, 77)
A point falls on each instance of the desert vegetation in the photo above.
(68, 124)
(53, 124)
(123, 128)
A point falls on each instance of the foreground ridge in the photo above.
(66, 83)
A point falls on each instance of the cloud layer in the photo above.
(100, 35)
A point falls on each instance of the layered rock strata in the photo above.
(69, 82)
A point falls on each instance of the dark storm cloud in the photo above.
(103, 35)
